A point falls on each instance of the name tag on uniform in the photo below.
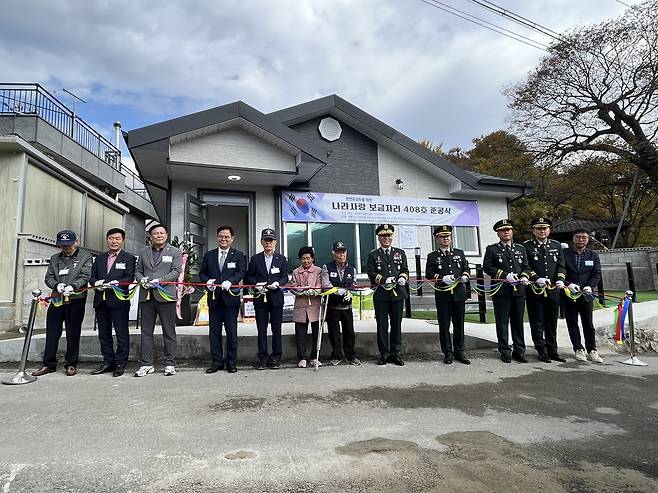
(230, 265)
(274, 270)
(167, 259)
(333, 274)
(589, 263)
(63, 272)
(120, 266)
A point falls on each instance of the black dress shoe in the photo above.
(461, 357)
(382, 360)
(505, 358)
(262, 365)
(214, 369)
(232, 369)
(521, 358)
(390, 358)
(557, 357)
(543, 357)
(103, 369)
(396, 360)
(448, 359)
(118, 371)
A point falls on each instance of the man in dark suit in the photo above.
(546, 259)
(583, 269)
(223, 267)
(388, 272)
(444, 265)
(110, 269)
(159, 262)
(268, 270)
(507, 262)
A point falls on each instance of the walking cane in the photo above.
(20, 377)
(323, 301)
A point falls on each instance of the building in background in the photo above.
(317, 172)
(56, 172)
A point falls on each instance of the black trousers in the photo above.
(266, 312)
(542, 314)
(336, 318)
(71, 316)
(228, 316)
(584, 308)
(106, 317)
(384, 310)
(447, 311)
(301, 331)
(508, 311)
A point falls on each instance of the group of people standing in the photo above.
(540, 261)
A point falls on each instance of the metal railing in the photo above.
(33, 99)
(134, 182)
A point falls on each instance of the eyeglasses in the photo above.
(581, 237)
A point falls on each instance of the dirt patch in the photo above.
(377, 446)
(241, 455)
(239, 404)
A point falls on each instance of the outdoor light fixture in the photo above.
(417, 252)
(234, 178)
(400, 184)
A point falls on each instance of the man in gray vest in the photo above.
(158, 263)
(68, 272)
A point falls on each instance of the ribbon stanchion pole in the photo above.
(633, 360)
(20, 378)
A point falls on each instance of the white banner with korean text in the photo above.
(374, 209)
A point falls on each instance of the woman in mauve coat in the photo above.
(307, 308)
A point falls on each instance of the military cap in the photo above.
(267, 234)
(384, 229)
(339, 245)
(443, 230)
(541, 221)
(503, 224)
(66, 237)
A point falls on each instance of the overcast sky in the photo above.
(421, 70)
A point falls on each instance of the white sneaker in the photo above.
(301, 364)
(580, 355)
(314, 362)
(144, 370)
(594, 356)
(169, 371)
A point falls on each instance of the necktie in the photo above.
(222, 259)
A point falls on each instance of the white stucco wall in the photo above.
(420, 184)
(234, 148)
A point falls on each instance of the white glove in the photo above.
(511, 277)
(574, 287)
(113, 283)
(260, 287)
(524, 280)
(209, 284)
(153, 282)
(98, 285)
(541, 282)
(464, 279)
(389, 280)
(587, 290)
(347, 298)
(341, 292)
(226, 285)
(274, 285)
(402, 281)
(68, 290)
(448, 279)
(60, 287)
(144, 282)
(559, 284)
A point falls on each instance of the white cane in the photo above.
(323, 313)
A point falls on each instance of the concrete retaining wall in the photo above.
(613, 268)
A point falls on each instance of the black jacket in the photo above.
(123, 270)
(380, 267)
(452, 262)
(235, 266)
(498, 263)
(257, 272)
(590, 270)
